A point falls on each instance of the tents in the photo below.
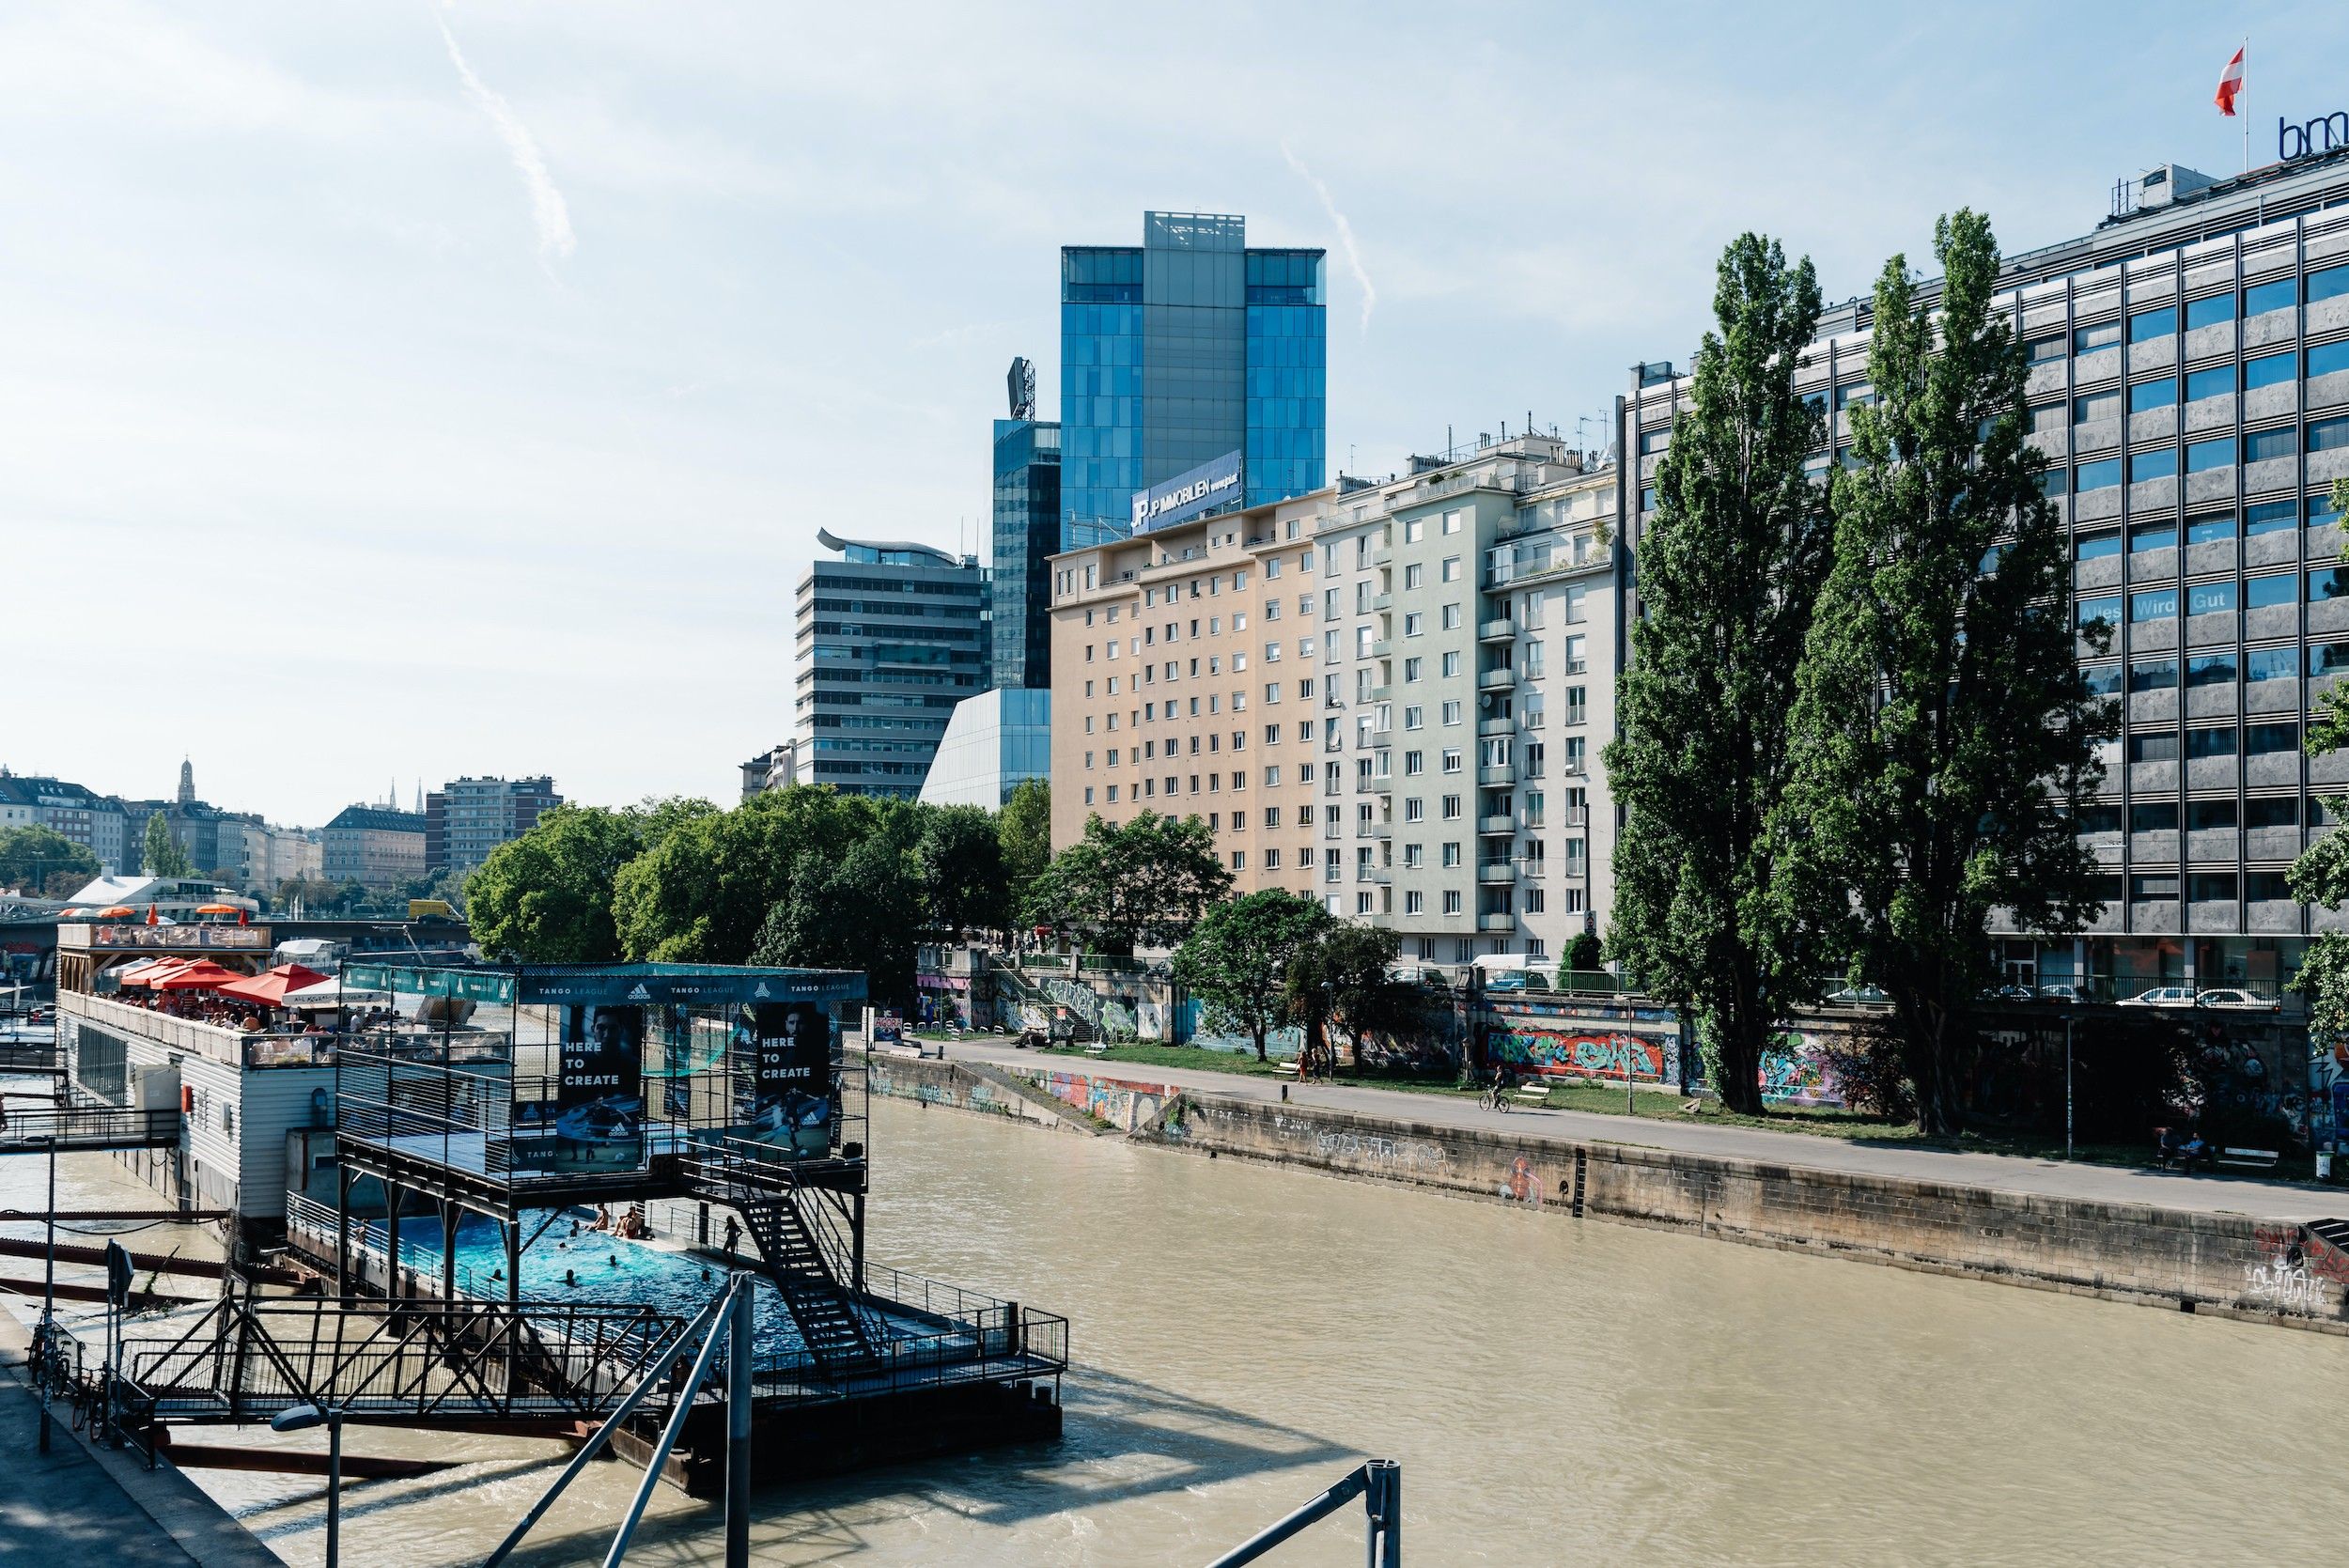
(154, 970)
(271, 985)
(202, 975)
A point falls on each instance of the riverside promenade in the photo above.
(80, 1504)
(2251, 1196)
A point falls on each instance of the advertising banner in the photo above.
(599, 1090)
(786, 1094)
(1212, 484)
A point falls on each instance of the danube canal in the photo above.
(1558, 1392)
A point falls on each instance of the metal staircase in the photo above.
(799, 1252)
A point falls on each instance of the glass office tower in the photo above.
(1179, 351)
(1027, 532)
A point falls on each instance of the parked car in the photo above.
(2007, 993)
(2240, 1001)
(2162, 996)
(1860, 996)
(2060, 993)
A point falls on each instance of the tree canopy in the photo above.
(959, 870)
(1942, 718)
(1147, 881)
(1730, 568)
(1235, 959)
(1025, 827)
(34, 859)
(1340, 979)
(159, 853)
(546, 897)
(2321, 875)
(847, 911)
(702, 893)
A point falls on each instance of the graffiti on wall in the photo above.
(1796, 1072)
(1122, 1105)
(1571, 1051)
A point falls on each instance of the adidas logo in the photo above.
(640, 994)
(762, 992)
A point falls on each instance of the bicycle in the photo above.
(1496, 1097)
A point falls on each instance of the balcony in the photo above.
(1379, 694)
(1497, 632)
(1382, 784)
(1502, 679)
(1374, 829)
(1495, 873)
(1495, 923)
(1376, 875)
(1381, 648)
(1381, 603)
(1496, 726)
(1501, 824)
(1497, 775)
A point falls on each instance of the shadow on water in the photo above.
(1124, 1438)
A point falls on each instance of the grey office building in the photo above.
(890, 637)
(2190, 389)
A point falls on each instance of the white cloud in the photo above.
(1345, 234)
(548, 211)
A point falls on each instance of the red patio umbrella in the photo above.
(160, 968)
(271, 985)
(134, 975)
(202, 975)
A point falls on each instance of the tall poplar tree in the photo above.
(1943, 719)
(1727, 571)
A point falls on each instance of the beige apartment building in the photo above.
(1390, 697)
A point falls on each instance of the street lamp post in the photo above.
(301, 1418)
(48, 1297)
(2067, 1088)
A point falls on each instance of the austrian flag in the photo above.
(2230, 83)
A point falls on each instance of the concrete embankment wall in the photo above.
(2224, 1265)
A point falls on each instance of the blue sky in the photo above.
(399, 391)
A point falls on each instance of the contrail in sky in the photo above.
(1346, 233)
(547, 209)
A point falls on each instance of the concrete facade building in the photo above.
(1386, 696)
(467, 818)
(99, 823)
(376, 846)
(772, 768)
(890, 638)
(2189, 386)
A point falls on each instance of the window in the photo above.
(1414, 763)
(1452, 808)
(2210, 669)
(1452, 521)
(2210, 528)
(1450, 617)
(1414, 716)
(2326, 284)
(2103, 680)
(1414, 575)
(2204, 816)
(1451, 856)
(2147, 324)
(2154, 604)
(2268, 369)
(2269, 516)
(2209, 599)
(2262, 592)
(2216, 740)
(1414, 624)
(2271, 811)
(2216, 382)
(1414, 809)
(2096, 477)
(2204, 455)
(2154, 746)
(2047, 416)
(2209, 312)
(2266, 887)
(1451, 665)
(2157, 816)
(2095, 405)
(2210, 886)
(2328, 658)
(2145, 397)
(2097, 547)
(2043, 349)
(2331, 582)
(2103, 334)
(1451, 568)
(2092, 818)
(1414, 903)
(1451, 901)
(2152, 674)
(2326, 434)
(2147, 889)
(2259, 445)
(1416, 528)
(2160, 463)
(2104, 608)
(2275, 294)
(1451, 712)
(2269, 739)
(1452, 755)
(2326, 358)
(2272, 664)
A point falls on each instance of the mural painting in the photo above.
(1122, 1105)
(1569, 1051)
(1796, 1072)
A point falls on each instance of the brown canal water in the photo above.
(1557, 1392)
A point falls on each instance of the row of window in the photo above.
(2216, 669)
(2161, 816)
(2216, 740)
(2217, 380)
(2201, 887)
(2212, 598)
(2144, 326)
(2265, 516)
(2323, 435)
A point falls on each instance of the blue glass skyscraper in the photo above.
(1179, 351)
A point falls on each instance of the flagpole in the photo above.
(2247, 103)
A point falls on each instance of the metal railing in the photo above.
(86, 1125)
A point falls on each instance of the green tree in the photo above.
(1025, 827)
(1943, 721)
(546, 897)
(1233, 959)
(847, 911)
(32, 858)
(702, 894)
(1585, 953)
(958, 866)
(1340, 980)
(2321, 875)
(1145, 882)
(1730, 570)
(160, 853)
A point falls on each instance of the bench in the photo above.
(1285, 1069)
(1534, 1093)
(2256, 1160)
(1097, 1048)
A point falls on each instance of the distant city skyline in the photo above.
(419, 392)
